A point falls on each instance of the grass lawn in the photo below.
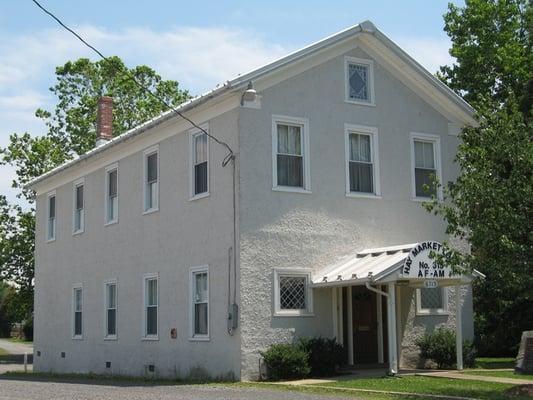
(3, 352)
(18, 340)
(429, 385)
(495, 363)
(501, 374)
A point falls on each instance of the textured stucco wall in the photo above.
(295, 230)
(182, 234)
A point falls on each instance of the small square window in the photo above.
(431, 301)
(292, 295)
(359, 81)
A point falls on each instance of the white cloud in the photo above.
(430, 52)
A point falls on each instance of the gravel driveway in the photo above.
(27, 389)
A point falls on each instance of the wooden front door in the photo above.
(365, 325)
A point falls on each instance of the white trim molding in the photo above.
(192, 135)
(431, 138)
(77, 183)
(108, 170)
(106, 308)
(192, 336)
(432, 311)
(75, 287)
(374, 150)
(303, 123)
(146, 278)
(370, 65)
(298, 273)
(148, 152)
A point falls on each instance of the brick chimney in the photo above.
(104, 120)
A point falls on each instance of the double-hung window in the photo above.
(362, 166)
(77, 316)
(290, 148)
(111, 310)
(151, 306)
(111, 201)
(200, 303)
(292, 295)
(431, 301)
(199, 156)
(51, 217)
(151, 179)
(359, 81)
(425, 150)
(79, 211)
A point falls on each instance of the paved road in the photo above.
(13, 389)
(16, 347)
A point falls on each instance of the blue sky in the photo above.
(198, 43)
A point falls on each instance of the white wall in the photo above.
(182, 234)
(298, 230)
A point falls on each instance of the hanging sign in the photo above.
(420, 265)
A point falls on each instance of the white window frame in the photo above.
(108, 170)
(305, 273)
(49, 237)
(192, 155)
(435, 139)
(192, 336)
(359, 61)
(76, 286)
(106, 308)
(374, 149)
(146, 278)
(76, 184)
(432, 311)
(146, 153)
(304, 123)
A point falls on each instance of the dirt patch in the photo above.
(520, 390)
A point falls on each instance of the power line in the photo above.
(229, 157)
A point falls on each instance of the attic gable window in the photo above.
(359, 81)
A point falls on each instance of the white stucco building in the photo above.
(152, 258)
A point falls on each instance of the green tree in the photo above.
(71, 131)
(490, 205)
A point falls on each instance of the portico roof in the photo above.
(377, 265)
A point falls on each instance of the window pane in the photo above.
(295, 140)
(292, 293)
(111, 296)
(112, 181)
(151, 299)
(78, 219)
(360, 147)
(290, 170)
(112, 208)
(431, 298)
(51, 228)
(151, 320)
(151, 195)
(424, 155)
(79, 197)
(77, 299)
(77, 323)
(425, 177)
(361, 177)
(358, 81)
(200, 178)
(200, 143)
(200, 292)
(151, 168)
(52, 207)
(112, 322)
(200, 319)
(283, 139)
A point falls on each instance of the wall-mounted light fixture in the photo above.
(249, 94)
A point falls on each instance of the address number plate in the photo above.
(431, 284)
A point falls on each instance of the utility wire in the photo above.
(229, 157)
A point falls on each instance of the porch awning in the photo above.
(408, 263)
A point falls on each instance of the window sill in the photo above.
(77, 337)
(79, 232)
(50, 240)
(111, 222)
(357, 195)
(199, 339)
(360, 103)
(290, 189)
(110, 338)
(293, 314)
(150, 211)
(432, 313)
(199, 196)
(150, 338)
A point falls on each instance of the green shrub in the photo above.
(324, 355)
(286, 361)
(27, 328)
(439, 346)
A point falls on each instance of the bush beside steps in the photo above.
(309, 357)
(439, 347)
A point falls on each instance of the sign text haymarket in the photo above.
(420, 265)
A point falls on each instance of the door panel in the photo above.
(365, 325)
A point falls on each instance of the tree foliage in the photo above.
(490, 205)
(71, 131)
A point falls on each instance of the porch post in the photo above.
(458, 328)
(349, 308)
(379, 307)
(341, 324)
(391, 316)
(335, 313)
